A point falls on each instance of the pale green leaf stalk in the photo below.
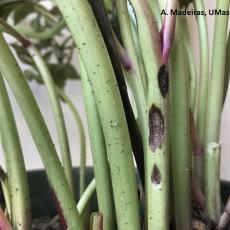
(57, 111)
(134, 74)
(203, 83)
(179, 133)
(17, 82)
(100, 160)
(82, 139)
(18, 183)
(156, 143)
(81, 22)
(86, 196)
(212, 181)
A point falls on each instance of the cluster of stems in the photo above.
(168, 125)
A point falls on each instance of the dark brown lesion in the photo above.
(3, 175)
(163, 80)
(156, 175)
(156, 128)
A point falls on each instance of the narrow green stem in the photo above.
(81, 22)
(82, 139)
(156, 141)
(86, 196)
(44, 35)
(18, 183)
(100, 160)
(212, 181)
(134, 74)
(14, 76)
(57, 111)
(215, 93)
(179, 138)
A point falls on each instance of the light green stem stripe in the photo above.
(86, 196)
(179, 133)
(100, 160)
(81, 22)
(18, 183)
(58, 114)
(212, 181)
(17, 82)
(215, 93)
(82, 139)
(6, 193)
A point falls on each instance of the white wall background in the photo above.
(73, 89)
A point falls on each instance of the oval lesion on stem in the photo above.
(156, 128)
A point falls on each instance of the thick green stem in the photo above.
(203, 83)
(100, 160)
(57, 111)
(156, 143)
(14, 76)
(86, 196)
(212, 181)
(18, 183)
(215, 93)
(82, 139)
(179, 138)
(81, 22)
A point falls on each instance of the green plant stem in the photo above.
(81, 22)
(82, 139)
(57, 111)
(156, 144)
(100, 160)
(154, 4)
(215, 93)
(179, 138)
(86, 196)
(212, 181)
(134, 74)
(18, 183)
(14, 76)
(203, 83)
(6, 190)
(44, 35)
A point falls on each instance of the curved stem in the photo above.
(82, 138)
(57, 111)
(44, 35)
(81, 22)
(18, 183)
(86, 196)
(17, 82)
